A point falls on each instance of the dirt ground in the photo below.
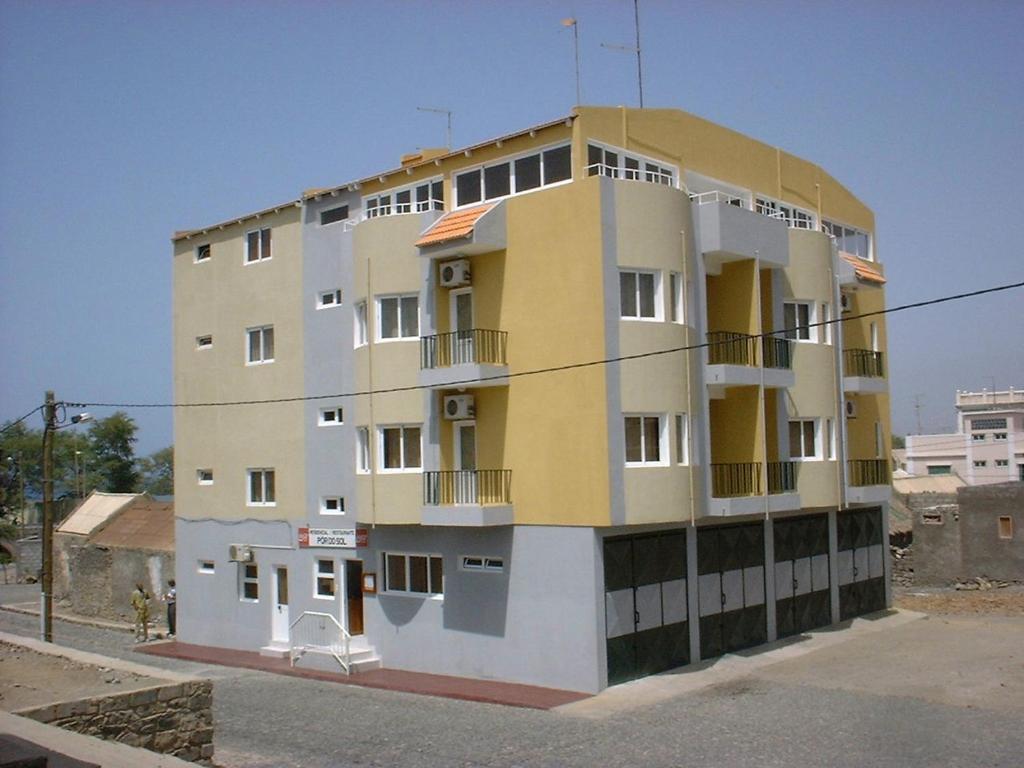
(1007, 601)
(29, 679)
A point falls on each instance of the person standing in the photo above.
(140, 602)
(171, 598)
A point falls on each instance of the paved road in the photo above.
(938, 691)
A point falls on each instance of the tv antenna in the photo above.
(448, 112)
(633, 49)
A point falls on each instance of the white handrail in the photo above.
(716, 196)
(320, 633)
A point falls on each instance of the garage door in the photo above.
(646, 626)
(802, 599)
(730, 565)
(860, 562)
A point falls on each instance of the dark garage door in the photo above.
(860, 562)
(646, 625)
(802, 599)
(730, 564)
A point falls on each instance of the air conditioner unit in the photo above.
(459, 407)
(455, 274)
(844, 302)
(851, 409)
(239, 553)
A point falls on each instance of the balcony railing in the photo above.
(863, 362)
(477, 346)
(398, 209)
(781, 477)
(778, 353)
(869, 472)
(632, 174)
(731, 348)
(468, 486)
(733, 480)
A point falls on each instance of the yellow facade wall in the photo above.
(732, 298)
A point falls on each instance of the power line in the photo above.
(557, 368)
(16, 422)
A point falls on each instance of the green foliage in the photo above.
(157, 472)
(112, 441)
(899, 441)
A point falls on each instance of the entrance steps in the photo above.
(362, 656)
(275, 651)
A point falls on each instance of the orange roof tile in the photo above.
(863, 270)
(453, 225)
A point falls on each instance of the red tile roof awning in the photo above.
(863, 270)
(454, 225)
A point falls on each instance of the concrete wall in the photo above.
(28, 558)
(936, 521)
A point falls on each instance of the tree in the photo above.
(898, 441)
(111, 442)
(157, 471)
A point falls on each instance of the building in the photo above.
(987, 447)
(543, 439)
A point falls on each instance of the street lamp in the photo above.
(54, 418)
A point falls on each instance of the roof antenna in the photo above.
(633, 49)
(448, 112)
(576, 45)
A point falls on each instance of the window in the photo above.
(513, 176)
(261, 345)
(332, 215)
(360, 324)
(1002, 462)
(682, 444)
(639, 295)
(1005, 527)
(327, 299)
(398, 317)
(363, 450)
(206, 566)
(978, 437)
(797, 218)
(803, 439)
(413, 574)
(980, 464)
(261, 488)
(931, 518)
(487, 564)
(988, 423)
(257, 245)
(425, 196)
(998, 435)
(202, 253)
(675, 281)
(204, 342)
(204, 476)
(250, 582)
(331, 417)
(856, 242)
(643, 440)
(325, 579)
(399, 448)
(797, 317)
(940, 469)
(618, 164)
(332, 505)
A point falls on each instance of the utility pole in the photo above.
(46, 598)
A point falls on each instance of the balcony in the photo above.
(869, 481)
(729, 232)
(737, 489)
(781, 477)
(863, 372)
(475, 497)
(733, 361)
(476, 357)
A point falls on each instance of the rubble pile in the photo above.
(981, 583)
(902, 566)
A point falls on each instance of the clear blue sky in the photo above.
(122, 122)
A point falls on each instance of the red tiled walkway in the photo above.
(469, 689)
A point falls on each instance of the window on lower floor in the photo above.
(999, 436)
(328, 299)
(797, 317)
(206, 566)
(1002, 462)
(803, 439)
(204, 476)
(639, 295)
(332, 505)
(331, 417)
(261, 488)
(1005, 527)
(486, 564)
(978, 437)
(413, 574)
(980, 463)
(398, 317)
(261, 345)
(325, 578)
(644, 440)
(250, 582)
(940, 469)
(400, 448)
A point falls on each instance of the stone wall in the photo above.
(28, 557)
(937, 554)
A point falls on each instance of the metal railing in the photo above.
(632, 174)
(778, 353)
(467, 486)
(869, 472)
(316, 632)
(476, 345)
(717, 196)
(733, 480)
(731, 348)
(781, 477)
(398, 209)
(863, 362)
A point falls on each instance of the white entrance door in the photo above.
(279, 621)
(461, 318)
(465, 461)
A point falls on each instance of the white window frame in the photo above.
(429, 594)
(663, 458)
(402, 448)
(677, 306)
(328, 578)
(260, 257)
(793, 332)
(262, 331)
(329, 299)
(204, 476)
(830, 440)
(682, 427)
(816, 426)
(830, 227)
(206, 566)
(510, 161)
(978, 437)
(338, 502)
(205, 341)
(980, 463)
(481, 564)
(245, 579)
(641, 173)
(657, 298)
(199, 259)
(320, 215)
(362, 450)
(999, 436)
(373, 209)
(360, 336)
(825, 317)
(399, 298)
(331, 417)
(264, 473)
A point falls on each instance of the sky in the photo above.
(121, 122)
